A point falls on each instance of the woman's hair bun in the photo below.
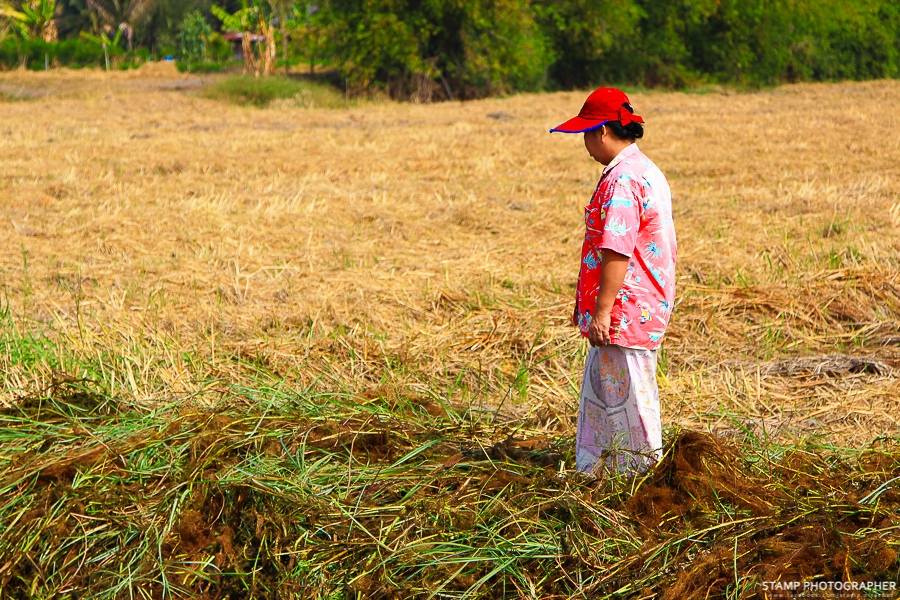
(632, 131)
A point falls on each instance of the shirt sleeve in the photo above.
(620, 214)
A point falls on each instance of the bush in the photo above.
(16, 52)
(215, 56)
(677, 43)
(502, 49)
(262, 91)
(582, 32)
(851, 40)
(203, 66)
(79, 52)
(133, 59)
(74, 53)
(192, 37)
(9, 53)
(218, 49)
(379, 47)
(471, 48)
(443, 48)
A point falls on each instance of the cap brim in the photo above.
(577, 125)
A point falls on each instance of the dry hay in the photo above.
(435, 247)
(831, 364)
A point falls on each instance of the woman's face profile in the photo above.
(593, 143)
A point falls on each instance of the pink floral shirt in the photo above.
(630, 213)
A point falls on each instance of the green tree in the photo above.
(658, 51)
(281, 14)
(851, 40)
(741, 41)
(438, 48)
(487, 47)
(32, 19)
(72, 17)
(108, 41)
(160, 30)
(254, 17)
(124, 15)
(308, 23)
(583, 33)
(377, 44)
(192, 37)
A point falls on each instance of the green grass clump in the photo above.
(16, 95)
(202, 66)
(262, 91)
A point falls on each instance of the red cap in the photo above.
(604, 104)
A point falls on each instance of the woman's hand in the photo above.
(613, 269)
(598, 331)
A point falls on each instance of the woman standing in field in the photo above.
(626, 289)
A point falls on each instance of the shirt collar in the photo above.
(623, 153)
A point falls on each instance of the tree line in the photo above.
(459, 49)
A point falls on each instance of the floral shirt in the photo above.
(630, 212)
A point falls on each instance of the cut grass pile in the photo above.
(262, 91)
(310, 494)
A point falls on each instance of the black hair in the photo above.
(632, 131)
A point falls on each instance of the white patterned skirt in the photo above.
(618, 416)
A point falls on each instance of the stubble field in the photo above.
(301, 352)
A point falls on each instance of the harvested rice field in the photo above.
(300, 352)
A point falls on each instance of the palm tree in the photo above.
(253, 18)
(33, 19)
(282, 9)
(123, 15)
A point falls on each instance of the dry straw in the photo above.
(436, 247)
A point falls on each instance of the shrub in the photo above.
(79, 52)
(192, 37)
(503, 49)
(582, 33)
(262, 91)
(85, 51)
(133, 59)
(218, 49)
(747, 42)
(9, 53)
(203, 66)
(442, 48)
(470, 48)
